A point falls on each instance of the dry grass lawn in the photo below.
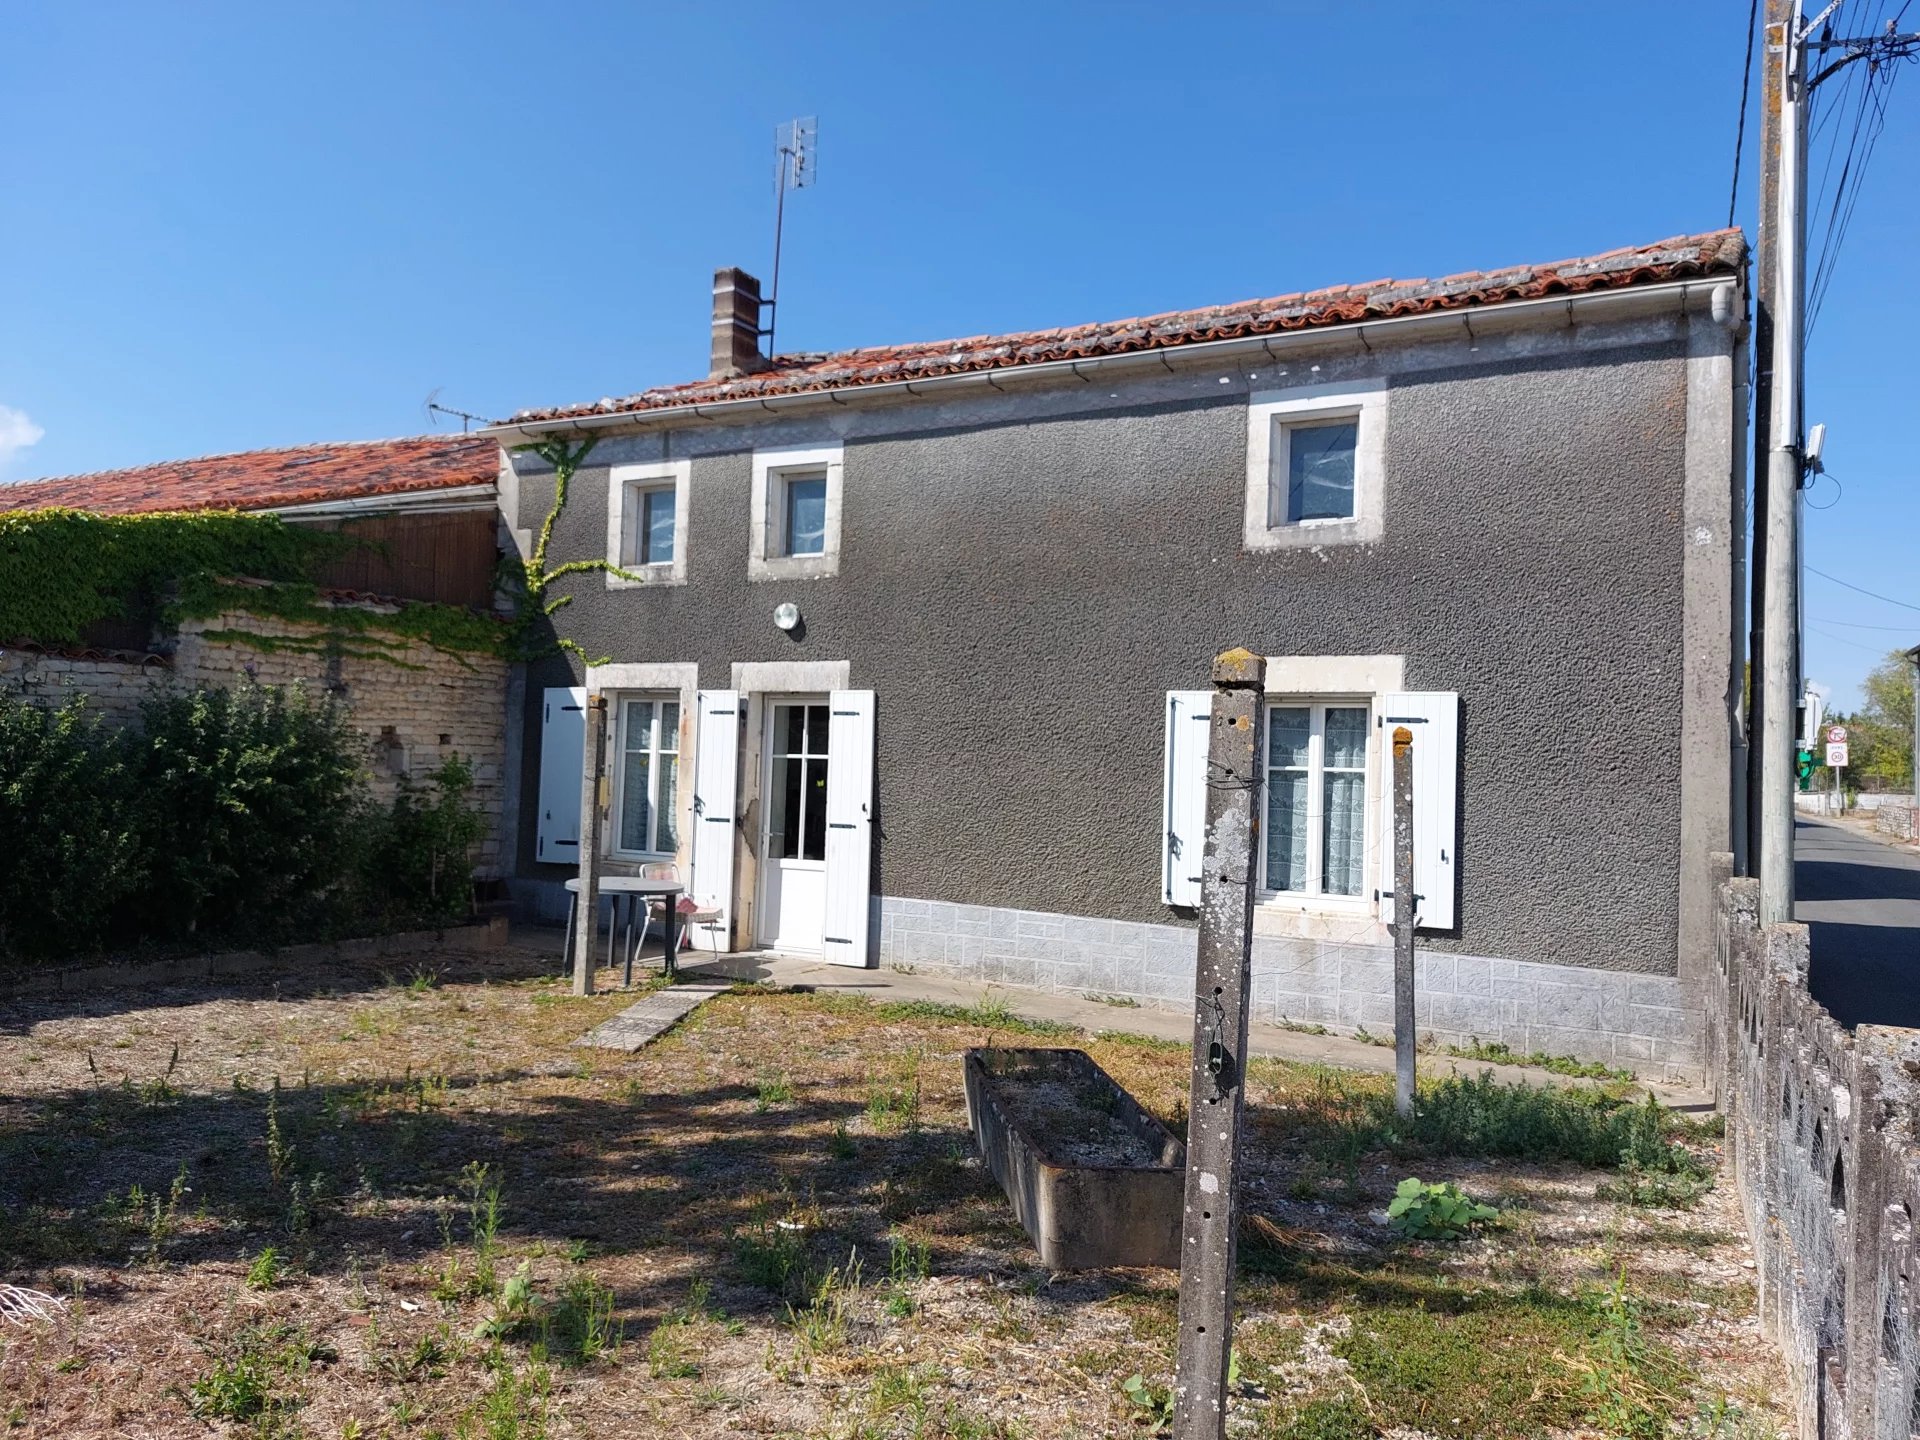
(396, 1201)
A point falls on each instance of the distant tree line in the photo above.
(1879, 733)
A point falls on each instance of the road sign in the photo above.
(1837, 735)
(1836, 754)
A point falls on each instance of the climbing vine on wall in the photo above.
(62, 571)
(530, 579)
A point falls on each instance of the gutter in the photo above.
(1681, 296)
(415, 502)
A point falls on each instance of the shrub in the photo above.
(417, 860)
(70, 857)
(226, 816)
(245, 803)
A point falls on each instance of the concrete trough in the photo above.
(1096, 1181)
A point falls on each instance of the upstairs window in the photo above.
(803, 502)
(796, 514)
(1316, 466)
(646, 524)
(1319, 471)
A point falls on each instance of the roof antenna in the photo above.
(434, 410)
(796, 146)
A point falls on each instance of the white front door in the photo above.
(793, 833)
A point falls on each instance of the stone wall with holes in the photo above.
(1823, 1135)
(415, 706)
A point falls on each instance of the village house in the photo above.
(905, 647)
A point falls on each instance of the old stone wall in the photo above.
(1823, 1130)
(415, 707)
(1896, 819)
(114, 682)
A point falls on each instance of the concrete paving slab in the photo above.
(647, 1019)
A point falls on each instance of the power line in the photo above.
(1862, 625)
(1740, 131)
(1888, 599)
(1843, 640)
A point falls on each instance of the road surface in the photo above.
(1860, 899)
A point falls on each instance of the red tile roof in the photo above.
(1720, 252)
(270, 479)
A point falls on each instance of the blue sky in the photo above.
(244, 225)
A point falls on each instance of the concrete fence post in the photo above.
(586, 934)
(1403, 923)
(1209, 1224)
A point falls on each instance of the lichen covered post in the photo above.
(586, 934)
(1209, 1232)
(1403, 922)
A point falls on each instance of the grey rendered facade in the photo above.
(1026, 568)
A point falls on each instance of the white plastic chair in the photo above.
(690, 913)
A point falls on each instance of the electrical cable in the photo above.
(1843, 640)
(1740, 131)
(1888, 599)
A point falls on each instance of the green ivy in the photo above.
(62, 571)
(527, 581)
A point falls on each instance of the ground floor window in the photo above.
(1316, 821)
(649, 776)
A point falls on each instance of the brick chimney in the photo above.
(736, 325)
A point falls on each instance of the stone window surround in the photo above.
(764, 562)
(1320, 678)
(624, 482)
(675, 679)
(618, 746)
(1269, 413)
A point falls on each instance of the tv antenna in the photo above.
(434, 410)
(796, 155)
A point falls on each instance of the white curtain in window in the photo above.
(649, 776)
(1345, 836)
(636, 777)
(1289, 737)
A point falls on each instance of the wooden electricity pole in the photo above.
(1209, 1230)
(1403, 921)
(586, 933)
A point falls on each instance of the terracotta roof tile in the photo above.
(269, 479)
(1719, 252)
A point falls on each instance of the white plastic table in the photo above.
(629, 894)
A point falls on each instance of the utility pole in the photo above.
(1209, 1228)
(1773, 26)
(1779, 679)
(1783, 284)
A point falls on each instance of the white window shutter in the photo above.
(849, 876)
(1433, 718)
(563, 747)
(716, 770)
(1184, 833)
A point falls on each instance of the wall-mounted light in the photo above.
(786, 616)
